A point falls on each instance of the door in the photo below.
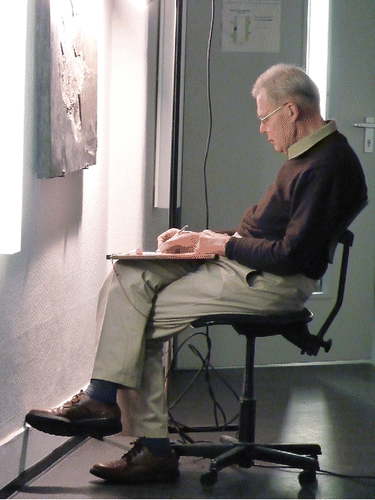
(351, 86)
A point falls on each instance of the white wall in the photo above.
(49, 290)
(127, 117)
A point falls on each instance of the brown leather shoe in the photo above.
(81, 416)
(139, 465)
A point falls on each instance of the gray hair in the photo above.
(283, 81)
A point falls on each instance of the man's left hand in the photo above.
(211, 242)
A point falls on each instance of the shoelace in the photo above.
(133, 452)
(75, 399)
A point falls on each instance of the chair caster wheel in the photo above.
(209, 479)
(307, 477)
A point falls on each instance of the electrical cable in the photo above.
(206, 369)
(344, 476)
(198, 372)
(209, 104)
(123, 289)
(217, 407)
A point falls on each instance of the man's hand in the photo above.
(211, 242)
(206, 242)
(174, 241)
(167, 235)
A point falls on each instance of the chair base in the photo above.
(244, 451)
(230, 451)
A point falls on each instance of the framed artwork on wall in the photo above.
(66, 86)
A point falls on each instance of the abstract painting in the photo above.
(66, 86)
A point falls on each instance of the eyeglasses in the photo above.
(271, 113)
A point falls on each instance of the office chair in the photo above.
(243, 451)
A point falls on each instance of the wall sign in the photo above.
(251, 26)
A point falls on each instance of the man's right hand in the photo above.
(167, 235)
(172, 242)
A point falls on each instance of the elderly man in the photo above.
(267, 264)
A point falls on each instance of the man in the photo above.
(268, 264)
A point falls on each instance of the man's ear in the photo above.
(294, 111)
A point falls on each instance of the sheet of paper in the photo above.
(251, 26)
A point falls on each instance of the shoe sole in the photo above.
(152, 477)
(58, 426)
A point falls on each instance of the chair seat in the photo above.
(292, 326)
(304, 316)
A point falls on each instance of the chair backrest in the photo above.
(309, 343)
(341, 230)
(301, 337)
(345, 237)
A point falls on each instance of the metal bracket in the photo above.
(369, 127)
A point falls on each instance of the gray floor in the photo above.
(330, 405)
